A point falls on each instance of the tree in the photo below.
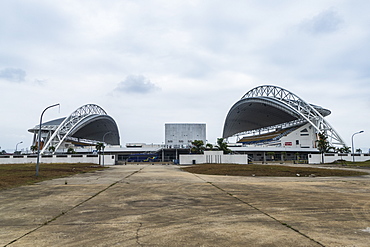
(70, 150)
(222, 145)
(209, 146)
(271, 154)
(283, 155)
(51, 149)
(359, 150)
(99, 146)
(198, 147)
(297, 156)
(323, 145)
(34, 148)
(344, 150)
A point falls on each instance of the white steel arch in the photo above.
(70, 122)
(297, 105)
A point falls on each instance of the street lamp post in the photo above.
(39, 140)
(16, 146)
(109, 132)
(353, 153)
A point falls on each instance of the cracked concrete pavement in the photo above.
(161, 205)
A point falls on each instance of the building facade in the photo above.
(181, 135)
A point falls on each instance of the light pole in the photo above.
(16, 146)
(353, 153)
(39, 140)
(109, 132)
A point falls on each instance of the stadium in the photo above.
(270, 119)
(268, 123)
(86, 126)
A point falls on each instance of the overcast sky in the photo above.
(148, 63)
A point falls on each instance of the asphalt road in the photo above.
(160, 205)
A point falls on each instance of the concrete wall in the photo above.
(331, 157)
(60, 158)
(213, 157)
(182, 134)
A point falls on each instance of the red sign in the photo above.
(288, 143)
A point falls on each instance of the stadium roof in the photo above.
(269, 106)
(89, 122)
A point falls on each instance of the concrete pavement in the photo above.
(160, 205)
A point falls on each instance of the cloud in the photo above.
(326, 22)
(136, 84)
(13, 74)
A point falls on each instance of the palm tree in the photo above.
(341, 151)
(323, 145)
(222, 145)
(344, 149)
(99, 146)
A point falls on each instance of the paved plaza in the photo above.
(161, 205)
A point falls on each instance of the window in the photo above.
(297, 142)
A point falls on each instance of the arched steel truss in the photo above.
(65, 128)
(300, 108)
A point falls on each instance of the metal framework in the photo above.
(305, 112)
(65, 128)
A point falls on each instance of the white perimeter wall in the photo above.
(67, 158)
(213, 157)
(331, 157)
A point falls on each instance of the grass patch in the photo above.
(353, 164)
(267, 170)
(13, 175)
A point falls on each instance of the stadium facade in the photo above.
(272, 119)
(86, 126)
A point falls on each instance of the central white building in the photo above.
(181, 135)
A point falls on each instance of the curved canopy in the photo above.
(269, 106)
(94, 127)
(88, 122)
(251, 114)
